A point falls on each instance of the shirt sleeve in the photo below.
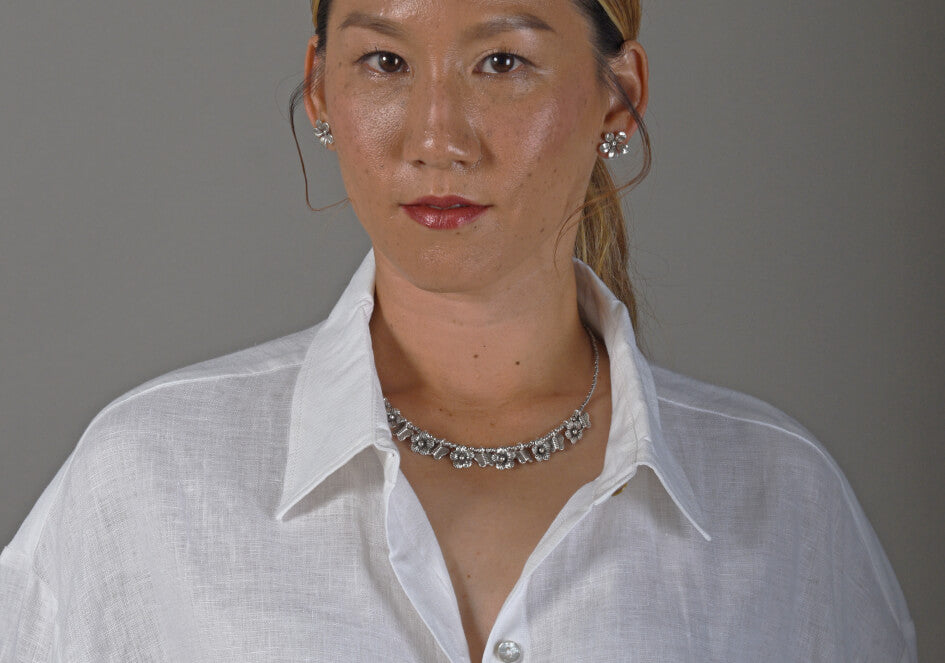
(85, 578)
(872, 609)
(27, 612)
(28, 607)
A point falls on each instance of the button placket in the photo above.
(509, 640)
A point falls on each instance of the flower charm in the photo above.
(574, 427)
(323, 133)
(503, 459)
(541, 450)
(615, 144)
(422, 443)
(462, 458)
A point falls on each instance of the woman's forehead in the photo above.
(454, 10)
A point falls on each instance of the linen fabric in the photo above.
(250, 508)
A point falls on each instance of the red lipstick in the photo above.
(443, 212)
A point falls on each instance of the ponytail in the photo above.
(602, 234)
(602, 238)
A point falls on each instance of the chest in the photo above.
(488, 522)
(325, 581)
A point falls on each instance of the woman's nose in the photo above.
(438, 131)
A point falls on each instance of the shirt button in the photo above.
(508, 651)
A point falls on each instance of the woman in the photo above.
(469, 459)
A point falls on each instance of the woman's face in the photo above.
(497, 102)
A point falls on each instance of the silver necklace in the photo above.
(502, 458)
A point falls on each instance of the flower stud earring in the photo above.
(614, 144)
(323, 133)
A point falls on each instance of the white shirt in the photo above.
(251, 508)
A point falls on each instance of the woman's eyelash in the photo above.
(521, 60)
(397, 64)
(390, 57)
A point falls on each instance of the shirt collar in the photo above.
(338, 409)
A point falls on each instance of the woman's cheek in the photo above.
(366, 139)
(371, 121)
(547, 142)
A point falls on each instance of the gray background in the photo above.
(789, 240)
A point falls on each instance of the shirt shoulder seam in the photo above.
(849, 499)
(746, 420)
(111, 406)
(173, 383)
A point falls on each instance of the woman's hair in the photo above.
(602, 234)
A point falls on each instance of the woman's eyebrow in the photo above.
(483, 30)
(358, 19)
(506, 23)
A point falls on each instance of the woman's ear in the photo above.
(631, 75)
(315, 93)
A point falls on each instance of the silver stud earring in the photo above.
(614, 144)
(323, 133)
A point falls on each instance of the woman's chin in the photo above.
(445, 269)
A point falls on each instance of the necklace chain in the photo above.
(502, 458)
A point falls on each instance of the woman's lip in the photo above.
(442, 201)
(435, 217)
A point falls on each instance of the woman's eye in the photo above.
(384, 62)
(501, 63)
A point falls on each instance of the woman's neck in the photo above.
(471, 352)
